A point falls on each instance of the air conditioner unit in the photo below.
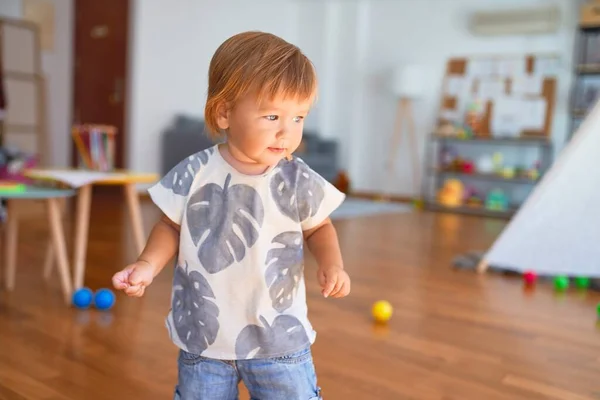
(530, 21)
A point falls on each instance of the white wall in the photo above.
(353, 44)
(11, 8)
(388, 33)
(172, 47)
(57, 67)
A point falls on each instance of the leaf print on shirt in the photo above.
(284, 334)
(195, 313)
(224, 221)
(180, 178)
(285, 266)
(297, 190)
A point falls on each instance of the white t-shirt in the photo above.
(238, 288)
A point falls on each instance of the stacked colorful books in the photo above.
(96, 146)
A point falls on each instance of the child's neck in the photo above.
(242, 166)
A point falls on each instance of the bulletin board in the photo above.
(514, 95)
(24, 119)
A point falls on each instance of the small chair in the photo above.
(53, 198)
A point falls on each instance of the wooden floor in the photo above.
(454, 335)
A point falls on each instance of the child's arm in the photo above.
(162, 245)
(322, 241)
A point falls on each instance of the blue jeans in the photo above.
(289, 377)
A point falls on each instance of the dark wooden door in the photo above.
(100, 67)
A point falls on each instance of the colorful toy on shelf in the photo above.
(446, 129)
(447, 157)
(452, 193)
(497, 160)
(468, 167)
(485, 164)
(465, 132)
(508, 172)
(496, 200)
(473, 117)
(472, 197)
(534, 172)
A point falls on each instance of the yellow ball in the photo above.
(382, 311)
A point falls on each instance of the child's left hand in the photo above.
(334, 281)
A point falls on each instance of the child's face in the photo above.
(264, 133)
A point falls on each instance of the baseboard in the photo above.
(380, 196)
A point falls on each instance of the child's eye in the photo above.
(272, 117)
(298, 119)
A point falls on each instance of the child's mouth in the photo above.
(277, 149)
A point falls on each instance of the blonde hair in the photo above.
(256, 62)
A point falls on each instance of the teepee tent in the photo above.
(557, 229)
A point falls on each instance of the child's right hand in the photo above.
(134, 279)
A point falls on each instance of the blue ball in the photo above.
(104, 299)
(82, 298)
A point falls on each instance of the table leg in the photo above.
(50, 257)
(60, 247)
(84, 199)
(135, 213)
(11, 235)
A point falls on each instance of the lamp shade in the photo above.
(407, 81)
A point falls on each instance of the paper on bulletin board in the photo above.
(533, 113)
(512, 67)
(490, 89)
(528, 85)
(506, 117)
(454, 85)
(547, 66)
(479, 68)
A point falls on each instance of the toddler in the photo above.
(236, 217)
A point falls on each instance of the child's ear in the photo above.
(222, 116)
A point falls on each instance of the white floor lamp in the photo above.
(406, 87)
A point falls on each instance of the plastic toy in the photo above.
(497, 162)
(473, 117)
(451, 195)
(529, 277)
(447, 156)
(104, 299)
(582, 282)
(508, 172)
(485, 164)
(598, 310)
(472, 197)
(561, 283)
(468, 167)
(382, 311)
(496, 200)
(82, 298)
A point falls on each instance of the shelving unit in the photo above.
(586, 86)
(503, 103)
(438, 174)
